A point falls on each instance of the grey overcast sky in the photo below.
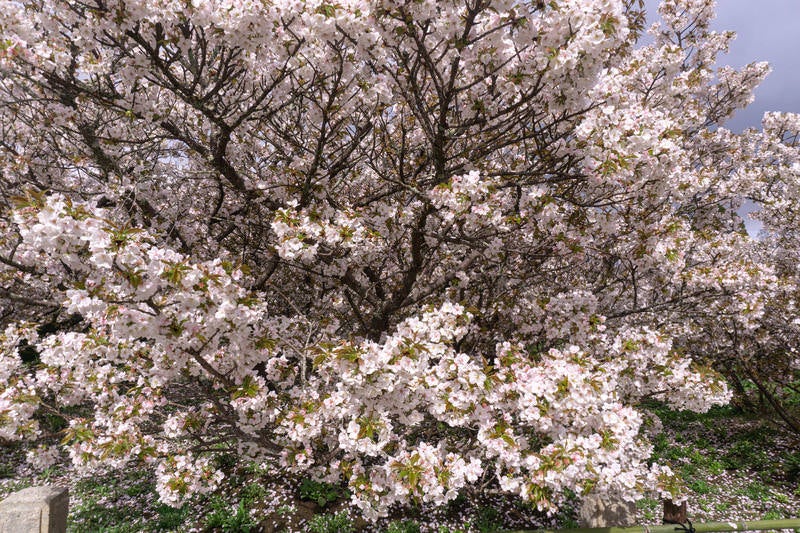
(767, 30)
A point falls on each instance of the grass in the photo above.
(735, 465)
(722, 507)
(7, 471)
(320, 493)
(170, 518)
(331, 523)
(701, 486)
(791, 466)
(773, 514)
(223, 518)
(111, 504)
(405, 526)
(488, 520)
(755, 490)
(648, 508)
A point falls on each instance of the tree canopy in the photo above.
(406, 246)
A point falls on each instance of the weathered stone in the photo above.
(35, 510)
(602, 511)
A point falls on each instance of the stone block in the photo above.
(600, 510)
(35, 510)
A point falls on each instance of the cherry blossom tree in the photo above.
(411, 247)
(762, 348)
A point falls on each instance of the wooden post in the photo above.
(674, 514)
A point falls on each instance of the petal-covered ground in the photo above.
(736, 467)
